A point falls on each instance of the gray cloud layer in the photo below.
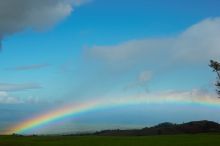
(18, 15)
(6, 89)
(18, 87)
(29, 67)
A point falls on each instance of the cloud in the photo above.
(141, 82)
(195, 95)
(190, 95)
(18, 87)
(16, 16)
(198, 43)
(6, 99)
(3, 94)
(145, 76)
(29, 67)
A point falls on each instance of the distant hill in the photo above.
(167, 128)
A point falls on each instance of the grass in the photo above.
(163, 140)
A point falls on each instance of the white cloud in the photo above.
(177, 96)
(6, 89)
(130, 50)
(3, 94)
(6, 99)
(198, 43)
(16, 16)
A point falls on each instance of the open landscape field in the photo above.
(109, 73)
(163, 140)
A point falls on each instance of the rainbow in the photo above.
(75, 109)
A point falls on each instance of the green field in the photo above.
(166, 140)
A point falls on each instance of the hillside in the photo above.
(167, 128)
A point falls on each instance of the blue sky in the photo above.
(66, 51)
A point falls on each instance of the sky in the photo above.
(118, 64)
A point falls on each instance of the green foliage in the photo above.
(216, 68)
(162, 140)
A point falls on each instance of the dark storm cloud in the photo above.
(18, 15)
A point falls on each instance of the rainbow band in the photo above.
(73, 110)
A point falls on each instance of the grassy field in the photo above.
(166, 140)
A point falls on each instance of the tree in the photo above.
(216, 68)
